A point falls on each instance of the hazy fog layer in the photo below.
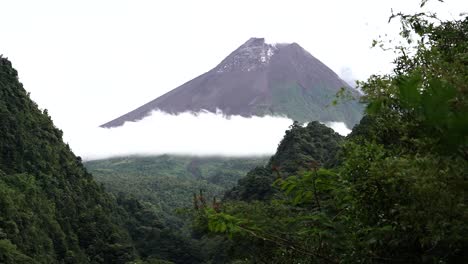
(205, 134)
(339, 127)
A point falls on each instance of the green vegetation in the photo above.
(396, 193)
(393, 191)
(164, 186)
(316, 103)
(299, 149)
(168, 182)
(152, 239)
(51, 210)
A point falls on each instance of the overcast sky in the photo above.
(89, 61)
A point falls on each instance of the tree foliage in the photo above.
(51, 210)
(300, 147)
(398, 192)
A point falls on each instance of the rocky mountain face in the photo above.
(260, 79)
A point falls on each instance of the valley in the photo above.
(169, 182)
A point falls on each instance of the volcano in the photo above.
(259, 79)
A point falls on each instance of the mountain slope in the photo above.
(299, 149)
(260, 79)
(51, 209)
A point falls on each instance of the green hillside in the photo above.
(305, 105)
(297, 151)
(169, 182)
(51, 209)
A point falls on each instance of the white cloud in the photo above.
(206, 134)
(339, 127)
(161, 133)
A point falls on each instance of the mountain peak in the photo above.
(259, 79)
(250, 56)
(254, 42)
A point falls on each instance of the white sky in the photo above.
(89, 61)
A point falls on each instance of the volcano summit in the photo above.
(260, 79)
